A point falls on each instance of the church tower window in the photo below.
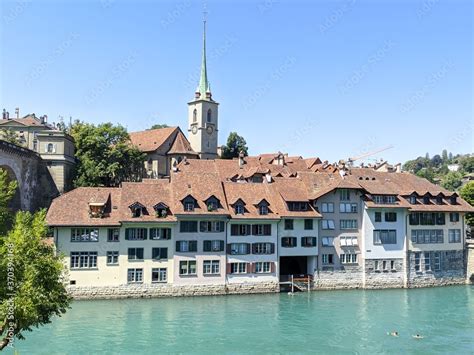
(209, 115)
(195, 115)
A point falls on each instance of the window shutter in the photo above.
(202, 226)
(193, 245)
(140, 253)
(229, 248)
(267, 229)
(272, 267)
(254, 229)
(178, 246)
(145, 232)
(127, 233)
(164, 253)
(207, 245)
(234, 229)
(248, 248)
(221, 248)
(272, 248)
(254, 248)
(250, 267)
(229, 268)
(248, 229)
(221, 226)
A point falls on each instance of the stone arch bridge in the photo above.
(36, 187)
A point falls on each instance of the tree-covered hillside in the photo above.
(447, 170)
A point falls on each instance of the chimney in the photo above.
(42, 119)
(7, 115)
(241, 159)
(17, 112)
(4, 114)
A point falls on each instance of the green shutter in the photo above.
(177, 246)
(207, 245)
(127, 232)
(221, 226)
(221, 245)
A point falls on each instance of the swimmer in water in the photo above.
(394, 334)
(417, 336)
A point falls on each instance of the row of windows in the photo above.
(430, 236)
(431, 261)
(349, 258)
(292, 242)
(389, 217)
(248, 229)
(135, 275)
(343, 224)
(113, 234)
(432, 218)
(328, 207)
(384, 265)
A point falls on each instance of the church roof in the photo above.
(152, 139)
(181, 145)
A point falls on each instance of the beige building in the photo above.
(55, 147)
(164, 149)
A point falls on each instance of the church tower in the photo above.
(203, 115)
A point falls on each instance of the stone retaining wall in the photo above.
(338, 280)
(164, 290)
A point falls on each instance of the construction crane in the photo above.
(350, 161)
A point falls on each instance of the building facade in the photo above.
(55, 147)
(217, 227)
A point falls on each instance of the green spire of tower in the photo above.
(203, 87)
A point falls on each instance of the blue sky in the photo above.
(314, 78)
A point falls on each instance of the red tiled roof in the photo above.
(151, 140)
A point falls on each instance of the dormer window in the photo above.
(413, 199)
(189, 203)
(257, 178)
(161, 210)
(453, 200)
(426, 200)
(439, 200)
(297, 206)
(239, 209)
(137, 209)
(212, 203)
(263, 208)
(96, 210)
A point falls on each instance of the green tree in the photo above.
(105, 155)
(467, 193)
(7, 191)
(426, 173)
(32, 287)
(9, 136)
(467, 164)
(158, 126)
(235, 145)
(452, 180)
(444, 155)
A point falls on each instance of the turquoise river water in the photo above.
(329, 322)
